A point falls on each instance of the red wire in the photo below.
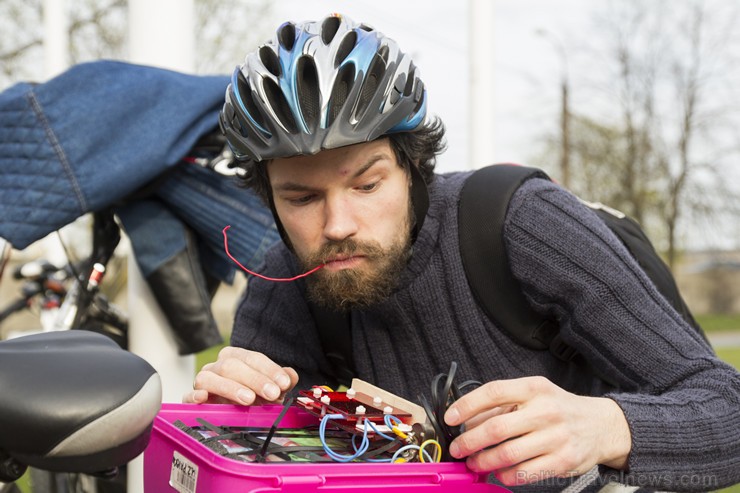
(276, 279)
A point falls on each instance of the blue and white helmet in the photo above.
(320, 85)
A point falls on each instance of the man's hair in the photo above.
(419, 147)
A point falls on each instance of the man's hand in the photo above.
(528, 429)
(240, 376)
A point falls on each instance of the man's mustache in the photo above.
(344, 248)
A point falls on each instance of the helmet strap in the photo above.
(419, 198)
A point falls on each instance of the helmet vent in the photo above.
(286, 36)
(270, 60)
(245, 94)
(329, 29)
(367, 28)
(419, 92)
(308, 90)
(410, 80)
(370, 86)
(383, 53)
(279, 105)
(340, 91)
(345, 47)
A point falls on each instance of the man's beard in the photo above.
(354, 288)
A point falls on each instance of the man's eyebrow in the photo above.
(370, 163)
(290, 186)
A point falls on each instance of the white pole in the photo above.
(55, 16)
(481, 39)
(160, 34)
(56, 37)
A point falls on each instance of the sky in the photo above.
(534, 45)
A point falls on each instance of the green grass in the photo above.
(207, 356)
(730, 355)
(23, 484)
(718, 323)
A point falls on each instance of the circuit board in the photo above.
(355, 407)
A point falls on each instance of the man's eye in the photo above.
(302, 200)
(369, 187)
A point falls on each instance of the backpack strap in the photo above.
(484, 201)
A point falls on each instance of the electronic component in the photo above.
(354, 407)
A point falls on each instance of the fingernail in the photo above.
(246, 396)
(283, 381)
(270, 391)
(452, 416)
(454, 450)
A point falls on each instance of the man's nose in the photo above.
(340, 222)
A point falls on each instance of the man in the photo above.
(328, 120)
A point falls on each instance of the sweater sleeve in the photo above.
(273, 319)
(681, 402)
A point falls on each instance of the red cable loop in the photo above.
(276, 279)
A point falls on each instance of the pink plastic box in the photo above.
(174, 461)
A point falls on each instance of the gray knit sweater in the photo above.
(682, 404)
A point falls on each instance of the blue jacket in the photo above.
(88, 138)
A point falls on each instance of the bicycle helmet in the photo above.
(320, 85)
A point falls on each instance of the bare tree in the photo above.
(97, 29)
(670, 76)
(225, 31)
(228, 29)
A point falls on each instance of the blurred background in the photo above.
(633, 103)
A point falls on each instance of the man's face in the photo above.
(349, 209)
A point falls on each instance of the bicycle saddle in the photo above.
(73, 401)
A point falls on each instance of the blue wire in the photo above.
(388, 418)
(355, 446)
(364, 445)
(378, 432)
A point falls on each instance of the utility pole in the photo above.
(565, 133)
(56, 37)
(564, 107)
(480, 22)
(55, 16)
(160, 34)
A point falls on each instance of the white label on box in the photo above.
(184, 474)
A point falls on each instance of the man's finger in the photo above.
(511, 453)
(484, 416)
(264, 371)
(228, 388)
(494, 394)
(494, 431)
(195, 397)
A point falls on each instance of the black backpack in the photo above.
(483, 204)
(484, 201)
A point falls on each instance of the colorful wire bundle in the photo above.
(391, 422)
